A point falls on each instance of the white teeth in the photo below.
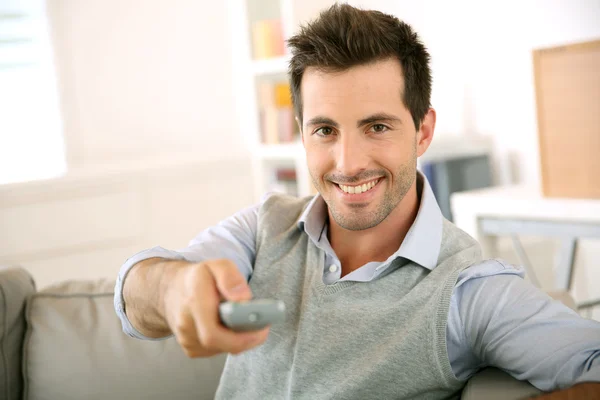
(358, 189)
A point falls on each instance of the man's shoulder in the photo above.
(458, 247)
(488, 268)
(281, 210)
(277, 198)
(282, 203)
(453, 234)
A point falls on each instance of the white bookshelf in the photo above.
(273, 66)
(266, 158)
(283, 151)
(451, 147)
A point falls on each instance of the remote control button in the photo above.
(253, 317)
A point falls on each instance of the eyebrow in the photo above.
(378, 117)
(320, 120)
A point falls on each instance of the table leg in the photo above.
(563, 271)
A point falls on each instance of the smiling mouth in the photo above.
(358, 189)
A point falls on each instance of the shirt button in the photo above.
(333, 268)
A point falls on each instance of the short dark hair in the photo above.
(344, 36)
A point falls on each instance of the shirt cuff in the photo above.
(119, 301)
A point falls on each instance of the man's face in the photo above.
(360, 141)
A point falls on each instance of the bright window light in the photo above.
(31, 139)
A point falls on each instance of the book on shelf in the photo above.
(267, 39)
(286, 174)
(277, 122)
(284, 181)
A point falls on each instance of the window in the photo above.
(31, 140)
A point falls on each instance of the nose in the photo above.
(351, 155)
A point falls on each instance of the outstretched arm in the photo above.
(511, 325)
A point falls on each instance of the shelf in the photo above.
(448, 148)
(253, 77)
(280, 152)
(271, 66)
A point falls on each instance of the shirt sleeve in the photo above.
(463, 361)
(510, 324)
(233, 238)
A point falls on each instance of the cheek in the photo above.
(317, 158)
(393, 155)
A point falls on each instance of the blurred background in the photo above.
(130, 124)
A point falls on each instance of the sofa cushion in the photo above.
(495, 384)
(75, 349)
(15, 286)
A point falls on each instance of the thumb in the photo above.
(231, 284)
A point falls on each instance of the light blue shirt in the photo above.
(496, 318)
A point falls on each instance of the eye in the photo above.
(324, 131)
(379, 128)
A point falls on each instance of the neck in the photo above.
(356, 248)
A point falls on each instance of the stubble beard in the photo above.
(358, 218)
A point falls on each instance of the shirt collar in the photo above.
(314, 217)
(422, 242)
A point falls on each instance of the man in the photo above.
(384, 298)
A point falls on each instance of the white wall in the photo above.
(154, 149)
(140, 79)
(85, 227)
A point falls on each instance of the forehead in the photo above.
(363, 89)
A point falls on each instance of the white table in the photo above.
(511, 211)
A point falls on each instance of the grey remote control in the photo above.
(251, 315)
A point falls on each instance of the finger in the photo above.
(185, 333)
(232, 285)
(211, 333)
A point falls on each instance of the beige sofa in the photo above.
(65, 342)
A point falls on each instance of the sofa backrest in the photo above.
(75, 349)
(16, 285)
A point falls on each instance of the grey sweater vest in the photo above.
(384, 339)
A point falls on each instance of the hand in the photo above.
(192, 299)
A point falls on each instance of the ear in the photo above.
(425, 134)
